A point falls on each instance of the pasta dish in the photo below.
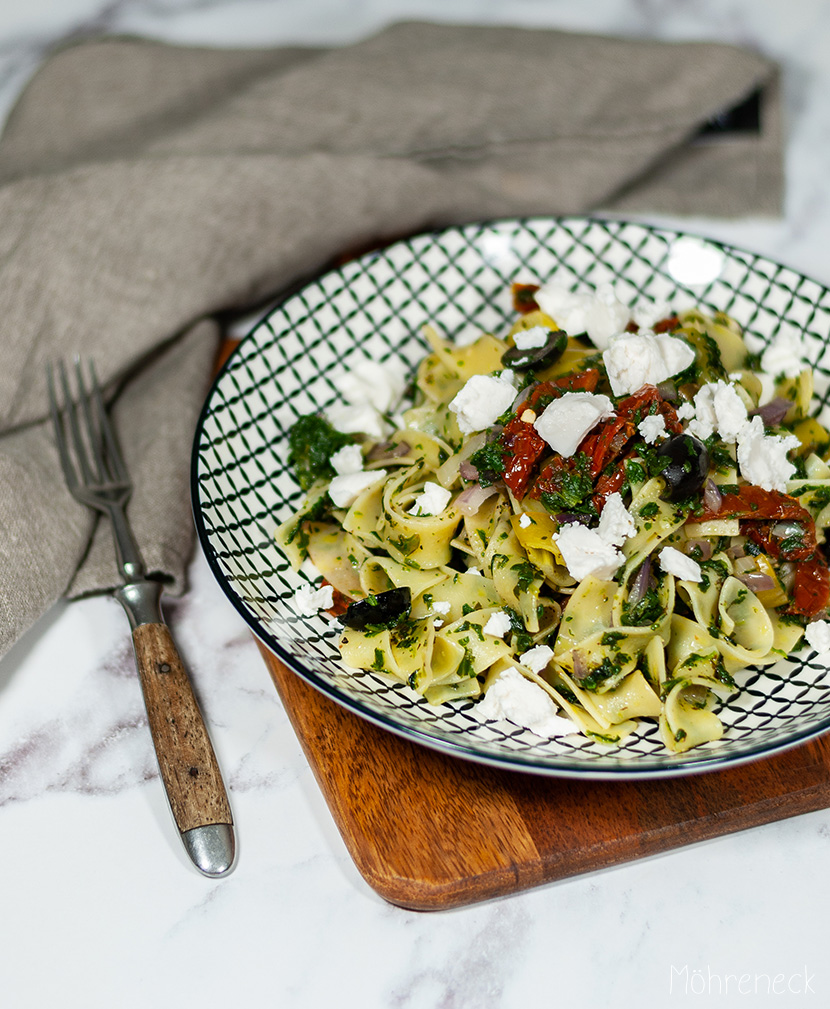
(598, 517)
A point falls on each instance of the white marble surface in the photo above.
(98, 906)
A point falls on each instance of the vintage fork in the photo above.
(97, 477)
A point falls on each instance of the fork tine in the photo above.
(71, 410)
(115, 460)
(94, 421)
(69, 471)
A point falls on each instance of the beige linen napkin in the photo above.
(147, 191)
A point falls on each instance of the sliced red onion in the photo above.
(784, 529)
(774, 412)
(735, 551)
(580, 665)
(388, 450)
(641, 583)
(712, 497)
(745, 565)
(468, 471)
(469, 501)
(522, 395)
(757, 581)
(701, 549)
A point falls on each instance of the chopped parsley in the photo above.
(312, 441)
(489, 461)
(527, 574)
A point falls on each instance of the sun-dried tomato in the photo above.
(522, 448)
(523, 300)
(811, 587)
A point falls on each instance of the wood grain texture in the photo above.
(429, 832)
(186, 759)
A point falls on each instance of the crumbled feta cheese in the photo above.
(472, 571)
(673, 562)
(309, 601)
(517, 699)
(600, 315)
(536, 658)
(380, 385)
(352, 418)
(348, 459)
(525, 520)
(685, 411)
(718, 408)
(762, 458)
(345, 489)
(432, 500)
(565, 422)
(647, 313)
(498, 624)
(637, 359)
(652, 427)
(784, 356)
(482, 400)
(585, 552)
(530, 339)
(616, 523)
(437, 622)
(817, 635)
(441, 606)
(369, 391)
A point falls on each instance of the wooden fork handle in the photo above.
(187, 762)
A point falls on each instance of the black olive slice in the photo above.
(378, 611)
(535, 357)
(686, 466)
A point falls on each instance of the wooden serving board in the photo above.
(430, 832)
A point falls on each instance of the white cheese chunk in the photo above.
(637, 359)
(718, 409)
(369, 390)
(308, 601)
(585, 552)
(566, 421)
(498, 624)
(517, 699)
(784, 356)
(536, 658)
(600, 315)
(481, 401)
(616, 524)
(348, 459)
(441, 606)
(356, 419)
(652, 427)
(686, 411)
(817, 635)
(525, 520)
(345, 489)
(647, 313)
(380, 385)
(432, 500)
(673, 562)
(762, 458)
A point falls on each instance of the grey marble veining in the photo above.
(99, 906)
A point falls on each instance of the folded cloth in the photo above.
(148, 191)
